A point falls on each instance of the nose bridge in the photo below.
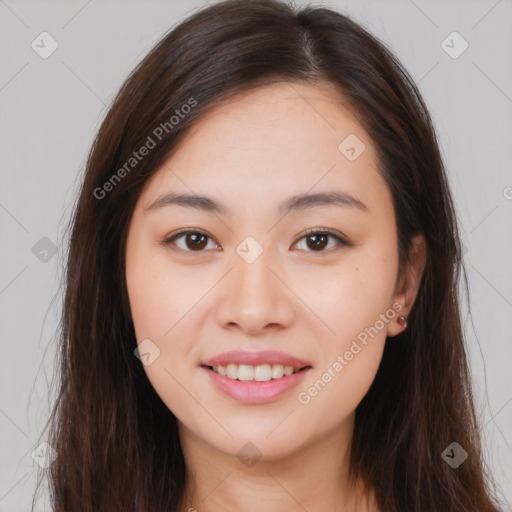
(252, 273)
(253, 295)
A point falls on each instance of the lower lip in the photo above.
(256, 392)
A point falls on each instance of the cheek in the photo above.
(353, 295)
(148, 303)
(349, 357)
(355, 304)
(159, 294)
(152, 304)
(162, 300)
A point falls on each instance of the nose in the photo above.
(255, 297)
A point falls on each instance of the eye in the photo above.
(317, 238)
(195, 240)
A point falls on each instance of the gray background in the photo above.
(51, 108)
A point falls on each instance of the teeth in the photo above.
(260, 373)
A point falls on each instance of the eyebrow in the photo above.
(295, 203)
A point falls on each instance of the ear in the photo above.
(407, 287)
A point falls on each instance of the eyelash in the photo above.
(313, 231)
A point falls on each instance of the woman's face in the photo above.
(252, 280)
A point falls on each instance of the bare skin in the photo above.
(308, 300)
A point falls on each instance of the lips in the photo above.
(255, 358)
(254, 392)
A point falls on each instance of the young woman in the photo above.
(261, 308)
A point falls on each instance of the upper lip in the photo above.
(255, 359)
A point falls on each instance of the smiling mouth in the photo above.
(259, 373)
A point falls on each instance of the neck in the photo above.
(314, 478)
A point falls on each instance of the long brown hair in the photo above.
(117, 443)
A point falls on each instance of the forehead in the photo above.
(278, 140)
(292, 118)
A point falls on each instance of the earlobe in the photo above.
(408, 285)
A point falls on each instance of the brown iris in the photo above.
(198, 241)
(320, 243)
